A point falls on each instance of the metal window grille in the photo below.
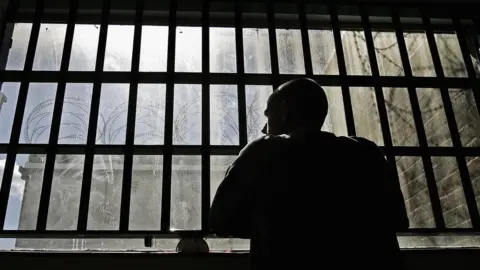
(363, 20)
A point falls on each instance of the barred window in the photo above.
(120, 124)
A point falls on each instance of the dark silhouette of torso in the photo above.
(312, 198)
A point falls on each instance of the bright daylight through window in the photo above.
(225, 114)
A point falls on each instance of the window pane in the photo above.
(24, 198)
(450, 55)
(187, 114)
(400, 117)
(18, 51)
(356, 54)
(450, 190)
(218, 168)
(335, 121)
(119, 48)
(419, 55)
(188, 49)
(12, 217)
(257, 96)
(150, 115)
(322, 48)
(290, 52)
(106, 192)
(8, 103)
(51, 39)
(146, 193)
(439, 241)
(228, 244)
(466, 115)
(65, 195)
(75, 114)
(365, 112)
(415, 192)
(112, 118)
(84, 47)
(434, 118)
(222, 50)
(153, 51)
(37, 119)
(473, 164)
(387, 54)
(186, 193)
(224, 115)
(256, 50)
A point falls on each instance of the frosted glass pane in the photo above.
(75, 113)
(186, 199)
(222, 50)
(224, 128)
(84, 47)
(187, 114)
(8, 104)
(112, 118)
(37, 119)
(105, 193)
(51, 39)
(153, 51)
(256, 50)
(119, 48)
(188, 49)
(290, 52)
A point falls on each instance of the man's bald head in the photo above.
(297, 103)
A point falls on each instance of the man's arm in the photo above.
(232, 208)
(392, 192)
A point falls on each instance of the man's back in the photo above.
(314, 197)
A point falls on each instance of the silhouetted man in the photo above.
(308, 198)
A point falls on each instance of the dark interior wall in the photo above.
(415, 259)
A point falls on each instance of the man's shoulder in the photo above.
(359, 143)
(263, 144)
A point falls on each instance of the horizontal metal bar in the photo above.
(223, 150)
(439, 6)
(285, 18)
(120, 149)
(249, 79)
(179, 234)
(98, 234)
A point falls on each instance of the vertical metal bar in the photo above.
(57, 115)
(19, 112)
(382, 110)
(132, 104)
(342, 69)
(417, 117)
(452, 125)
(307, 56)
(462, 39)
(7, 27)
(92, 122)
(242, 99)
(167, 155)
(272, 38)
(205, 114)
